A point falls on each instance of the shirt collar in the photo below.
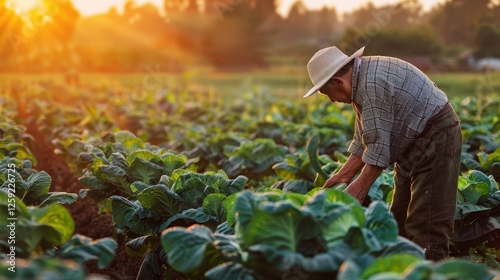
(355, 73)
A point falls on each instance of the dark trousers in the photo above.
(425, 185)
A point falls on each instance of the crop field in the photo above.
(205, 175)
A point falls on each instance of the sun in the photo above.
(22, 6)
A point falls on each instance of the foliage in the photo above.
(123, 160)
(240, 24)
(276, 232)
(419, 41)
(252, 158)
(37, 229)
(183, 198)
(63, 263)
(456, 20)
(14, 141)
(30, 186)
(477, 216)
(301, 172)
(487, 36)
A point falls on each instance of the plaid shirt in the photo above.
(393, 101)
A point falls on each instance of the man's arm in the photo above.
(346, 173)
(359, 188)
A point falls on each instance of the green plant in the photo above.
(252, 158)
(37, 229)
(30, 186)
(65, 262)
(14, 142)
(123, 160)
(478, 208)
(276, 233)
(184, 198)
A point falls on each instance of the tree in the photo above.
(403, 14)
(235, 40)
(266, 8)
(399, 42)
(487, 41)
(457, 20)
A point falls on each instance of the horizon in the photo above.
(93, 7)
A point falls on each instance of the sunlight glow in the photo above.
(90, 7)
(343, 6)
(23, 5)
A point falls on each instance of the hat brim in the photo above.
(316, 87)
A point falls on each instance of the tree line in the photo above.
(234, 34)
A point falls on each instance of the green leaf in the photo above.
(230, 271)
(212, 205)
(145, 155)
(131, 216)
(197, 215)
(464, 210)
(336, 211)
(5, 200)
(362, 240)
(56, 217)
(225, 229)
(140, 246)
(402, 245)
(144, 171)
(312, 151)
(381, 222)
(151, 267)
(193, 187)
(186, 248)
(130, 142)
(396, 263)
(118, 160)
(161, 200)
(38, 187)
(59, 197)
(44, 267)
(286, 171)
(229, 206)
(172, 162)
(297, 186)
(453, 269)
(93, 183)
(82, 249)
(489, 159)
(477, 176)
(138, 187)
(272, 223)
(111, 174)
(235, 186)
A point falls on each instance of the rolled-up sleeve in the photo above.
(357, 146)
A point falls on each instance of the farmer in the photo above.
(401, 118)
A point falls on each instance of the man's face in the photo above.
(337, 90)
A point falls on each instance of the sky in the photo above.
(89, 7)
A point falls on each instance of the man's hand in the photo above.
(357, 191)
(346, 173)
(359, 188)
(335, 179)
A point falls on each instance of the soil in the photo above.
(88, 221)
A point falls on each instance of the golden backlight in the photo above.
(90, 7)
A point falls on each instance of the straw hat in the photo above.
(325, 63)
